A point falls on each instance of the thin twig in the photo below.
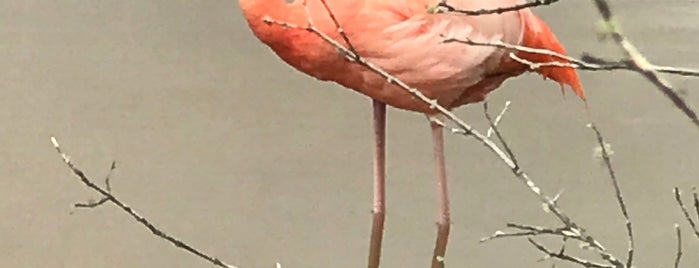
(562, 232)
(618, 194)
(501, 234)
(495, 129)
(498, 118)
(626, 64)
(696, 201)
(680, 203)
(530, 230)
(94, 204)
(145, 222)
(586, 63)
(640, 64)
(339, 28)
(534, 228)
(449, 8)
(107, 184)
(563, 256)
(91, 203)
(678, 255)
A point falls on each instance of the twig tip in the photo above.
(54, 141)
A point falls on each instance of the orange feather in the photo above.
(406, 40)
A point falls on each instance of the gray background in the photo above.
(220, 143)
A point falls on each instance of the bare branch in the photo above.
(696, 201)
(563, 256)
(495, 129)
(617, 190)
(586, 63)
(142, 220)
(501, 234)
(531, 230)
(535, 3)
(626, 65)
(640, 64)
(94, 204)
(680, 203)
(498, 118)
(339, 28)
(678, 255)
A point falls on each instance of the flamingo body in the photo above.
(406, 40)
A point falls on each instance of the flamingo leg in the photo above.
(444, 218)
(379, 206)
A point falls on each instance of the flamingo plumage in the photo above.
(406, 39)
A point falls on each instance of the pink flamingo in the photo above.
(405, 38)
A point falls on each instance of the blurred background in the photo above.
(221, 144)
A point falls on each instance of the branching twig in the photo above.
(586, 63)
(498, 118)
(640, 64)
(142, 220)
(680, 203)
(495, 129)
(108, 186)
(563, 256)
